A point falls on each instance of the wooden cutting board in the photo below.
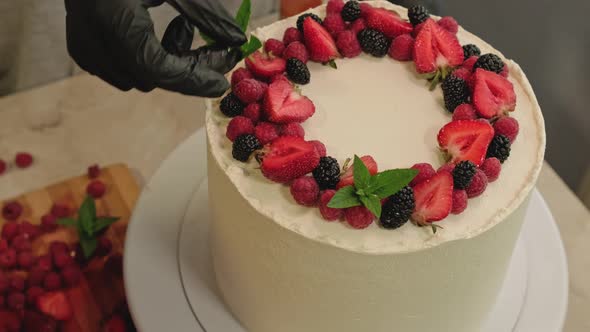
(101, 292)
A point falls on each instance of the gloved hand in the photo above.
(115, 40)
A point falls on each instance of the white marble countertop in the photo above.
(73, 123)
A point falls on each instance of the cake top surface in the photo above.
(383, 108)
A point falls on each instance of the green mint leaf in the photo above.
(86, 215)
(389, 182)
(332, 63)
(360, 173)
(208, 40)
(88, 244)
(373, 204)
(344, 198)
(70, 222)
(103, 222)
(243, 15)
(251, 46)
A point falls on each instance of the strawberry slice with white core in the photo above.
(434, 199)
(283, 104)
(435, 48)
(55, 304)
(320, 44)
(493, 94)
(388, 22)
(347, 178)
(466, 140)
(265, 66)
(288, 158)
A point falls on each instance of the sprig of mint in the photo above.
(88, 225)
(242, 19)
(368, 190)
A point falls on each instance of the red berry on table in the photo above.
(11, 321)
(464, 112)
(449, 23)
(23, 159)
(508, 127)
(305, 191)
(56, 305)
(435, 47)
(56, 247)
(292, 35)
(48, 223)
(283, 104)
(296, 50)
(505, 71)
(240, 125)
(402, 47)
(470, 62)
(335, 6)
(252, 112)
(425, 172)
(239, 75)
(459, 201)
(17, 283)
(319, 147)
(463, 73)
(29, 230)
(2, 166)
(3, 244)
(328, 213)
(93, 171)
(261, 65)
(358, 25)
(45, 263)
(4, 283)
(36, 276)
(434, 198)
(15, 300)
(35, 321)
(9, 230)
(347, 178)
(21, 243)
(62, 259)
(25, 260)
(358, 217)
(71, 275)
(387, 22)
(266, 132)
(115, 324)
(11, 211)
(8, 258)
(288, 158)
(320, 44)
(274, 46)
(52, 281)
(61, 210)
(96, 189)
(478, 184)
(466, 140)
(249, 90)
(365, 9)
(334, 24)
(33, 293)
(493, 95)
(348, 44)
(491, 168)
(292, 129)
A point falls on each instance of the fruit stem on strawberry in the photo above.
(346, 165)
(332, 64)
(434, 227)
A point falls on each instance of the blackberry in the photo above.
(244, 146)
(374, 42)
(418, 14)
(490, 62)
(302, 18)
(499, 148)
(351, 11)
(398, 208)
(327, 174)
(470, 50)
(231, 105)
(463, 174)
(455, 92)
(297, 71)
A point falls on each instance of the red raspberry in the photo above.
(464, 112)
(305, 190)
(292, 129)
(469, 62)
(319, 147)
(239, 75)
(115, 324)
(266, 132)
(508, 127)
(71, 275)
(425, 172)
(446, 168)
(25, 260)
(274, 46)
(96, 189)
(52, 281)
(249, 90)
(2, 166)
(61, 210)
(348, 44)
(505, 71)
(240, 125)
(9, 230)
(48, 223)
(17, 283)
(56, 247)
(33, 293)
(463, 73)
(478, 184)
(23, 159)
(335, 6)
(62, 259)
(12, 210)
(358, 217)
(16, 300)
(449, 23)
(4, 283)
(29, 230)
(328, 213)
(252, 112)
(36, 276)
(104, 246)
(491, 168)
(21, 243)
(3, 244)
(358, 25)
(292, 35)
(296, 50)
(459, 201)
(402, 47)
(93, 171)
(334, 24)
(45, 263)
(365, 8)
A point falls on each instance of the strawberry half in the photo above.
(265, 66)
(434, 199)
(466, 140)
(288, 158)
(388, 22)
(436, 50)
(493, 94)
(347, 179)
(320, 44)
(283, 104)
(55, 304)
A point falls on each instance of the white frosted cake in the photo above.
(281, 266)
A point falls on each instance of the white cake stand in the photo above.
(170, 282)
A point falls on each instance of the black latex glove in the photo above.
(115, 40)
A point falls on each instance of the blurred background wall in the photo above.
(547, 38)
